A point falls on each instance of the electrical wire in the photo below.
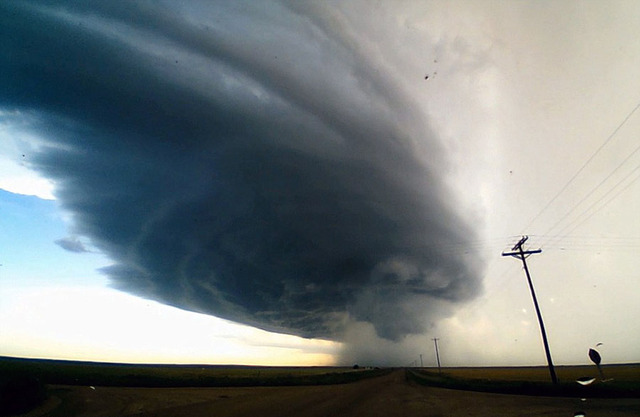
(599, 185)
(582, 168)
(606, 202)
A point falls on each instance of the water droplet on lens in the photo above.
(585, 380)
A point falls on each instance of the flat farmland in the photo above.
(137, 375)
(624, 372)
(619, 380)
(248, 391)
(392, 394)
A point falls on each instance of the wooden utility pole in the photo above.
(435, 340)
(521, 254)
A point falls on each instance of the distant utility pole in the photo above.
(521, 254)
(435, 340)
(421, 364)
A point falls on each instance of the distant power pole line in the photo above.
(421, 364)
(435, 341)
(521, 254)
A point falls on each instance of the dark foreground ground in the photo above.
(393, 394)
(620, 380)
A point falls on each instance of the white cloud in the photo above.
(15, 150)
(26, 183)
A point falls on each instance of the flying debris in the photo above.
(426, 77)
(595, 358)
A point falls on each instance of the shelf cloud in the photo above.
(247, 160)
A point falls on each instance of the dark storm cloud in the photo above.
(242, 159)
(71, 244)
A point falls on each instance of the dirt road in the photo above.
(390, 395)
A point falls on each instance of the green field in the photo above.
(621, 380)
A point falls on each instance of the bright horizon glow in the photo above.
(48, 323)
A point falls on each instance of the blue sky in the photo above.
(30, 226)
(342, 176)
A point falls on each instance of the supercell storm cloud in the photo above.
(250, 160)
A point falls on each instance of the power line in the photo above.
(600, 239)
(594, 189)
(572, 179)
(586, 243)
(603, 205)
(435, 340)
(521, 254)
